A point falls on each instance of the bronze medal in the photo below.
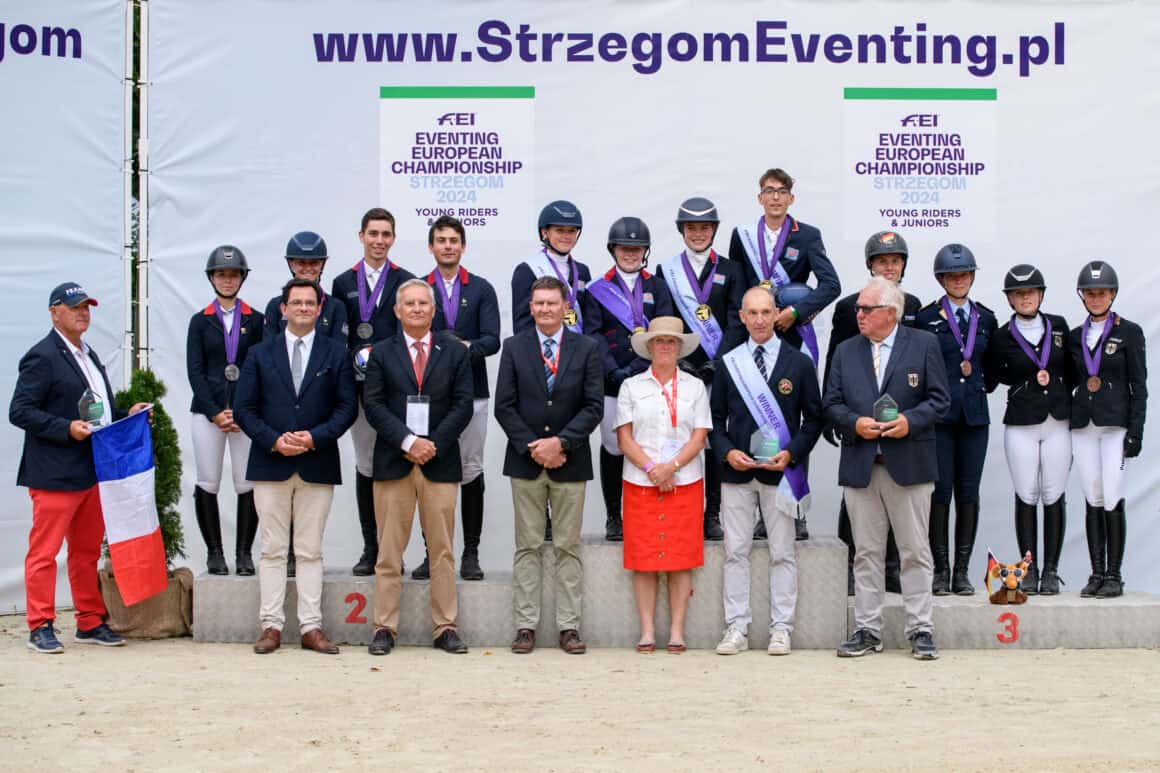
(1093, 383)
(965, 367)
(365, 330)
(767, 284)
(703, 312)
(1043, 377)
(570, 316)
(232, 372)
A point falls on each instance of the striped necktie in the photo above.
(549, 364)
(759, 358)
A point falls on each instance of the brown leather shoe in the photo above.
(571, 642)
(525, 641)
(270, 640)
(316, 640)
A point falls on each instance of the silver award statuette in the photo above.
(763, 447)
(885, 409)
(90, 408)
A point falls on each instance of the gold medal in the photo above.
(703, 312)
(570, 316)
(636, 330)
(1043, 377)
(965, 367)
(1093, 384)
(766, 283)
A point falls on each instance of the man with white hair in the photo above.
(887, 389)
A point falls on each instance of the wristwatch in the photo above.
(565, 445)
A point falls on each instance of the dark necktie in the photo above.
(549, 364)
(759, 358)
(964, 324)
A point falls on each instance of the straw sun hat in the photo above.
(671, 327)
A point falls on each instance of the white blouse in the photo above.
(642, 403)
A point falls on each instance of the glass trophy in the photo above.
(90, 408)
(885, 409)
(763, 448)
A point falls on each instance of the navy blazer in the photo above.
(916, 379)
(205, 357)
(446, 381)
(331, 320)
(610, 334)
(804, 253)
(477, 323)
(526, 412)
(845, 324)
(1123, 395)
(266, 406)
(725, 298)
(386, 324)
(794, 384)
(968, 393)
(1027, 401)
(44, 403)
(522, 279)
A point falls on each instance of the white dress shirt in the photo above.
(642, 404)
(411, 438)
(92, 375)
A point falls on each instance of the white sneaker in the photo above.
(778, 642)
(732, 642)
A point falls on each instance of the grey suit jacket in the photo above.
(917, 380)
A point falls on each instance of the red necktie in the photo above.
(420, 363)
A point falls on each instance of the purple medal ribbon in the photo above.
(968, 348)
(1090, 361)
(366, 306)
(767, 264)
(234, 334)
(572, 282)
(1040, 359)
(700, 292)
(450, 304)
(635, 299)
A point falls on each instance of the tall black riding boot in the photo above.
(940, 515)
(364, 494)
(712, 528)
(1026, 534)
(1097, 542)
(1054, 527)
(291, 561)
(247, 528)
(612, 487)
(209, 521)
(893, 564)
(846, 534)
(471, 510)
(1117, 530)
(966, 526)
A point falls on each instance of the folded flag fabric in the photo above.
(123, 456)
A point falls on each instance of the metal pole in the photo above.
(143, 192)
(127, 204)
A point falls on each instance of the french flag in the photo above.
(123, 455)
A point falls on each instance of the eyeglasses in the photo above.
(860, 309)
(302, 304)
(775, 192)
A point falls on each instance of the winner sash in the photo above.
(686, 298)
(542, 265)
(762, 406)
(612, 298)
(754, 241)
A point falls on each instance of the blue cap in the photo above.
(70, 294)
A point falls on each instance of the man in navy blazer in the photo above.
(467, 309)
(549, 398)
(418, 400)
(295, 398)
(57, 467)
(888, 464)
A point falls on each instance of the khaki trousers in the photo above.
(529, 498)
(873, 510)
(395, 502)
(307, 506)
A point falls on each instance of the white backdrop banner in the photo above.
(61, 148)
(1016, 128)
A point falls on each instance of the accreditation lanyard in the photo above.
(670, 399)
(554, 363)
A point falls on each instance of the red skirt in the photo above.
(663, 532)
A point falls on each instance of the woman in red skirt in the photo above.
(662, 419)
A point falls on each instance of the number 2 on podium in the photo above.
(359, 603)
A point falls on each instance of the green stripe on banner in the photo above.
(457, 92)
(960, 95)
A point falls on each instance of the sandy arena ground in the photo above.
(177, 705)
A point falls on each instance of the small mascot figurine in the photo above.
(1010, 577)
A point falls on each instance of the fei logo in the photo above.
(920, 119)
(456, 119)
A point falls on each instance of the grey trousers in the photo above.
(529, 498)
(738, 517)
(873, 510)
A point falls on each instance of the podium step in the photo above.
(225, 609)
